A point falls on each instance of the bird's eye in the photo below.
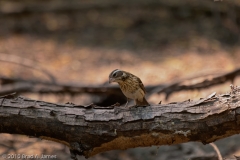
(115, 74)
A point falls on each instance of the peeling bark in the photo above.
(89, 130)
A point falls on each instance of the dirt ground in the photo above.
(155, 43)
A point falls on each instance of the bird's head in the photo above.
(117, 75)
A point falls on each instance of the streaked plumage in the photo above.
(131, 86)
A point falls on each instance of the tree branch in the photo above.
(19, 85)
(26, 63)
(89, 130)
(204, 82)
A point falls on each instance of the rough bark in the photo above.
(89, 130)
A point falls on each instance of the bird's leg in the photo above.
(126, 102)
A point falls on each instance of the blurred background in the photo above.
(81, 42)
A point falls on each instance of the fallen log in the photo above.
(89, 130)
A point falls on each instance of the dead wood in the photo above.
(205, 81)
(89, 130)
(19, 85)
(10, 85)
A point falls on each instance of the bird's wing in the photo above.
(139, 81)
(141, 85)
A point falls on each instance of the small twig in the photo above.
(205, 83)
(26, 63)
(217, 150)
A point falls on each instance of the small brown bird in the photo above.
(131, 86)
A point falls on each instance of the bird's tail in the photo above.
(142, 103)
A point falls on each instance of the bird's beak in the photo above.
(111, 80)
